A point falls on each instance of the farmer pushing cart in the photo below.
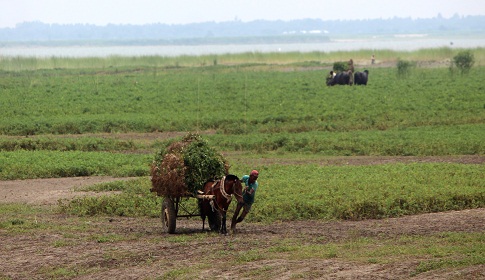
(251, 182)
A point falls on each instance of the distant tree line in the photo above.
(312, 29)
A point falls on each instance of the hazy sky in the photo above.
(102, 12)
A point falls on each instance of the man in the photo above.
(248, 195)
(330, 77)
(351, 65)
(351, 71)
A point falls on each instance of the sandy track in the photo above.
(48, 191)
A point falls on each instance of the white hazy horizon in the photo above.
(104, 12)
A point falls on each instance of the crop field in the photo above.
(384, 181)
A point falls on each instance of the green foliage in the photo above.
(85, 144)
(51, 164)
(191, 100)
(252, 109)
(112, 186)
(404, 68)
(340, 66)
(185, 166)
(119, 205)
(464, 61)
(202, 163)
(17, 216)
(300, 192)
(415, 141)
(135, 200)
(171, 101)
(292, 192)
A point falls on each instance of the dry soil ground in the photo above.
(136, 249)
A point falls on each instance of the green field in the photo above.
(309, 191)
(234, 100)
(57, 113)
(331, 159)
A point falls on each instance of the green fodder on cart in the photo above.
(184, 166)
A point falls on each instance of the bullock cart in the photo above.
(213, 202)
(180, 173)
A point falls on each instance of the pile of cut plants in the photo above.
(182, 168)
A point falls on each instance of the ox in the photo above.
(341, 78)
(360, 78)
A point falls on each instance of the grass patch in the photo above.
(52, 164)
(16, 217)
(134, 186)
(301, 192)
(107, 238)
(179, 273)
(360, 192)
(252, 255)
(56, 143)
(447, 250)
(183, 100)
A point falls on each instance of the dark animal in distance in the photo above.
(215, 210)
(341, 78)
(360, 78)
(345, 78)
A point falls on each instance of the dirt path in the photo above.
(134, 248)
(48, 191)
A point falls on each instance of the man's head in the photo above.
(254, 174)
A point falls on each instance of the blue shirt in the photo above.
(249, 198)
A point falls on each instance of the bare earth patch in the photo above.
(135, 248)
(143, 252)
(48, 191)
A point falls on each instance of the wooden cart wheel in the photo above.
(169, 217)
